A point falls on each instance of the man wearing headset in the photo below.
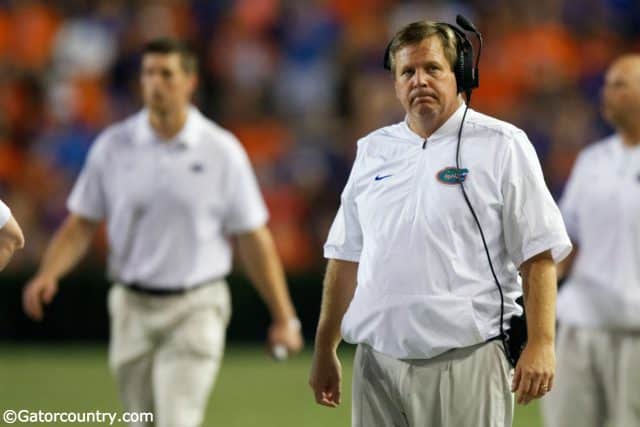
(408, 277)
(599, 305)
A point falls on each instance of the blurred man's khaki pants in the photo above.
(597, 379)
(165, 351)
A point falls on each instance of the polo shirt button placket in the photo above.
(164, 165)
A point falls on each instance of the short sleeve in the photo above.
(246, 210)
(571, 197)
(5, 214)
(345, 235)
(87, 198)
(532, 222)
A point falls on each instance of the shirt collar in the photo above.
(449, 128)
(621, 147)
(187, 137)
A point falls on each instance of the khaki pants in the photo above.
(597, 381)
(165, 351)
(468, 387)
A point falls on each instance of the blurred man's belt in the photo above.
(147, 289)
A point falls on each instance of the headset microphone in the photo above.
(465, 24)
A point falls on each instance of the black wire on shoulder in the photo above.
(503, 335)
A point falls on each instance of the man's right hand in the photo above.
(326, 377)
(41, 289)
(326, 372)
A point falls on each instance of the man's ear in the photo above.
(195, 81)
(395, 86)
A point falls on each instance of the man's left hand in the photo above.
(534, 372)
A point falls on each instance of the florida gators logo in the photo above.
(452, 175)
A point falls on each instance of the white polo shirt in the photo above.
(169, 206)
(5, 214)
(601, 207)
(424, 283)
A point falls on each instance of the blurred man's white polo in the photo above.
(169, 206)
(424, 283)
(601, 207)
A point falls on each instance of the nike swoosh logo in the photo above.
(378, 177)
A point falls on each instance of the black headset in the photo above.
(465, 70)
(467, 79)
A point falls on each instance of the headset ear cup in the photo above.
(460, 71)
(464, 61)
(387, 61)
(468, 70)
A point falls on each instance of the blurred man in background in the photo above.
(408, 278)
(11, 238)
(599, 305)
(172, 187)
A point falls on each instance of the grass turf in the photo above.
(251, 389)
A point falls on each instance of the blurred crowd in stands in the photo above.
(298, 81)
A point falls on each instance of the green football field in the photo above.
(251, 390)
